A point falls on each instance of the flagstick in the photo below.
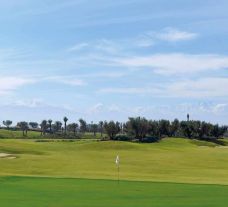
(118, 167)
(118, 174)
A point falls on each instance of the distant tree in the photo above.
(174, 127)
(94, 128)
(164, 127)
(33, 125)
(101, 125)
(222, 131)
(154, 128)
(50, 125)
(65, 119)
(73, 127)
(112, 129)
(218, 131)
(57, 126)
(138, 127)
(7, 123)
(44, 127)
(23, 126)
(83, 125)
(188, 128)
(204, 130)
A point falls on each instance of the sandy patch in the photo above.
(8, 156)
(224, 147)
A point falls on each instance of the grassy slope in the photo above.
(48, 192)
(171, 160)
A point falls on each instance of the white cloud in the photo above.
(114, 108)
(67, 80)
(33, 103)
(146, 39)
(177, 63)
(218, 108)
(149, 39)
(10, 84)
(99, 46)
(201, 88)
(96, 108)
(107, 46)
(137, 91)
(174, 35)
(79, 46)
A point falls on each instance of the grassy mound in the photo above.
(171, 160)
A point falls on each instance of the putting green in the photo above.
(52, 192)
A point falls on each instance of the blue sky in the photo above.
(108, 60)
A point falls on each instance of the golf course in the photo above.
(114, 103)
(66, 173)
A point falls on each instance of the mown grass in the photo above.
(55, 172)
(52, 192)
(171, 160)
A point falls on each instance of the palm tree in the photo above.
(83, 125)
(101, 124)
(7, 123)
(94, 129)
(73, 127)
(43, 126)
(57, 126)
(50, 122)
(34, 125)
(65, 119)
(23, 126)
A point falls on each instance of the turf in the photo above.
(10, 134)
(53, 172)
(171, 160)
(51, 192)
(17, 134)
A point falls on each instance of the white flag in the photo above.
(117, 160)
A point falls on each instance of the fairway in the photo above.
(52, 192)
(174, 172)
(171, 160)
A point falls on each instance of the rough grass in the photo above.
(10, 134)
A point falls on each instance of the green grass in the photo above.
(174, 172)
(48, 192)
(10, 134)
(171, 160)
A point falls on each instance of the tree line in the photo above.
(136, 128)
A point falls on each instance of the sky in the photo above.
(110, 60)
